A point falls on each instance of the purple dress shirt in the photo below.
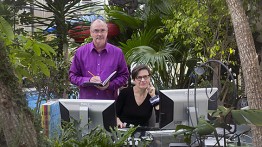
(101, 64)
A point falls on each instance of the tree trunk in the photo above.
(249, 62)
(15, 118)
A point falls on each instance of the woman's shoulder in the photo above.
(127, 90)
(125, 93)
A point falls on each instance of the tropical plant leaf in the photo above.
(121, 137)
(36, 49)
(184, 130)
(34, 66)
(221, 111)
(147, 55)
(247, 117)
(47, 49)
(126, 20)
(165, 8)
(44, 68)
(23, 55)
(203, 127)
(21, 72)
(49, 62)
(6, 28)
(28, 44)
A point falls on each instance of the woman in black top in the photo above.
(134, 104)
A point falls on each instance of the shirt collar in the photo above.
(92, 47)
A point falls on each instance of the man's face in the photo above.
(99, 33)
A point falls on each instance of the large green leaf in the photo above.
(34, 65)
(21, 72)
(148, 55)
(6, 29)
(203, 127)
(184, 130)
(126, 20)
(23, 55)
(47, 49)
(28, 44)
(49, 62)
(221, 111)
(36, 49)
(247, 117)
(44, 68)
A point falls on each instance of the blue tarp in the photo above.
(87, 19)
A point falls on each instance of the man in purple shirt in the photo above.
(95, 61)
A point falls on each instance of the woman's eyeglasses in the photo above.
(145, 77)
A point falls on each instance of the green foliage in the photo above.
(27, 56)
(203, 128)
(6, 29)
(61, 11)
(145, 45)
(122, 19)
(160, 61)
(97, 137)
(141, 38)
(8, 77)
(247, 117)
(9, 10)
(56, 85)
(201, 25)
(30, 57)
(221, 118)
(169, 60)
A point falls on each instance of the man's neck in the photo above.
(99, 49)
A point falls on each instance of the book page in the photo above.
(108, 78)
(100, 84)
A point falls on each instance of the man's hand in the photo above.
(95, 79)
(103, 87)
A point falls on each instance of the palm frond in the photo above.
(146, 37)
(125, 19)
(165, 7)
(148, 55)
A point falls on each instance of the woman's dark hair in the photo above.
(138, 68)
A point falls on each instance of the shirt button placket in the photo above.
(98, 64)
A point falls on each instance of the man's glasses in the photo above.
(96, 31)
(145, 77)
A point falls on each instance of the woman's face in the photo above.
(143, 79)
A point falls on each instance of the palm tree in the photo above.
(143, 43)
(249, 62)
(61, 11)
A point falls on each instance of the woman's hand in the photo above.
(151, 90)
(154, 100)
(119, 123)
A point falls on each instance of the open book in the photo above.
(99, 84)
